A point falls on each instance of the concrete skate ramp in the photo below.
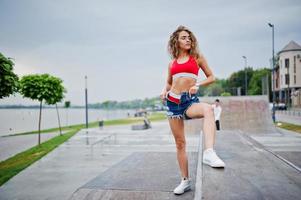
(142, 175)
(250, 114)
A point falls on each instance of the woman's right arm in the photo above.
(167, 87)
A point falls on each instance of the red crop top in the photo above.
(187, 69)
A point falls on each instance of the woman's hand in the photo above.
(193, 90)
(163, 95)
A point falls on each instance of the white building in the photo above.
(288, 75)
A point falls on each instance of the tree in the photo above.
(237, 79)
(214, 89)
(201, 91)
(42, 88)
(255, 86)
(8, 79)
(225, 94)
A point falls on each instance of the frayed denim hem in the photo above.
(175, 116)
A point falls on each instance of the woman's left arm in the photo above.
(206, 69)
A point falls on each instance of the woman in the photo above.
(182, 102)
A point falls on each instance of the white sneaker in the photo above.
(210, 158)
(183, 187)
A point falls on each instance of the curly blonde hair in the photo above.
(173, 46)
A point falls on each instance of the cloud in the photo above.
(121, 45)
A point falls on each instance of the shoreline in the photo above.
(154, 116)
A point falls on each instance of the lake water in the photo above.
(22, 120)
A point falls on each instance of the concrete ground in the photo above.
(285, 144)
(251, 172)
(119, 163)
(88, 154)
(143, 175)
(288, 117)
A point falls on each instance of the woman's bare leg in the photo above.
(177, 129)
(199, 110)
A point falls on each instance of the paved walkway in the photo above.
(118, 163)
(88, 154)
(142, 175)
(289, 117)
(284, 144)
(251, 172)
(12, 145)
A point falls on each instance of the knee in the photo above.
(180, 143)
(208, 110)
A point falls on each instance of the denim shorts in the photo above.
(177, 105)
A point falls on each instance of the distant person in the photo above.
(181, 100)
(217, 113)
(274, 112)
(147, 123)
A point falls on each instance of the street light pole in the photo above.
(288, 88)
(86, 98)
(273, 70)
(246, 78)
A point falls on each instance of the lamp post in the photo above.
(273, 69)
(86, 98)
(288, 87)
(246, 78)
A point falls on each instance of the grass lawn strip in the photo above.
(288, 126)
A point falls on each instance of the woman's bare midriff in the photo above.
(182, 84)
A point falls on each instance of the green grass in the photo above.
(157, 116)
(17, 163)
(152, 117)
(288, 126)
(64, 128)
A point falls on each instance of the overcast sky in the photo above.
(121, 45)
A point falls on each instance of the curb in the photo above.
(199, 170)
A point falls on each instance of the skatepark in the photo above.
(262, 162)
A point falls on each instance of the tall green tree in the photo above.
(42, 88)
(214, 89)
(255, 86)
(8, 79)
(237, 79)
